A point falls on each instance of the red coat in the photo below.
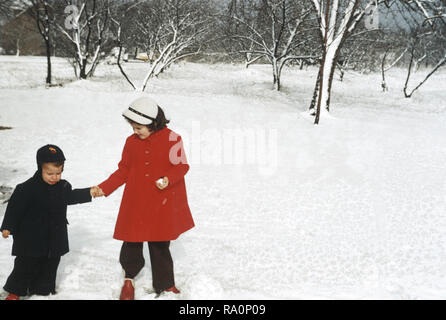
(148, 213)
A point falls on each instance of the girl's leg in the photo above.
(45, 282)
(131, 258)
(162, 265)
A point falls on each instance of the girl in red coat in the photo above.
(154, 206)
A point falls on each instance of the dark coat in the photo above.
(36, 216)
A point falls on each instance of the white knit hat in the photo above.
(142, 110)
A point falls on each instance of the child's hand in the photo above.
(162, 183)
(96, 192)
(5, 233)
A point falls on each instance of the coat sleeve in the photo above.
(77, 195)
(15, 210)
(119, 177)
(177, 158)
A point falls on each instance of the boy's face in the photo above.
(51, 173)
(141, 131)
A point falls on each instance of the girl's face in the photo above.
(51, 173)
(141, 131)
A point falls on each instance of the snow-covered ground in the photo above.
(354, 208)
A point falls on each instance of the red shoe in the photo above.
(128, 290)
(12, 296)
(173, 289)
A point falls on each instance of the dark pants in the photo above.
(132, 261)
(33, 276)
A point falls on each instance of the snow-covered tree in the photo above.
(229, 29)
(122, 15)
(274, 30)
(167, 30)
(337, 20)
(430, 9)
(428, 39)
(6, 8)
(86, 28)
(174, 30)
(390, 58)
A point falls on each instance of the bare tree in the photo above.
(361, 51)
(338, 19)
(44, 16)
(277, 34)
(235, 46)
(179, 35)
(395, 58)
(7, 8)
(430, 9)
(168, 31)
(87, 32)
(414, 61)
(121, 16)
(428, 40)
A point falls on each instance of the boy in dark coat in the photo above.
(36, 218)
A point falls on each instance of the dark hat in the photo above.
(49, 153)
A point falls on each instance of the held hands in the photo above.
(96, 192)
(162, 183)
(5, 233)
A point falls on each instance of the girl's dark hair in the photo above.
(159, 123)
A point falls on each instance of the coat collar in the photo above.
(158, 133)
(37, 178)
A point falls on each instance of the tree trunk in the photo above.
(334, 62)
(438, 66)
(276, 74)
(122, 70)
(83, 74)
(322, 73)
(48, 62)
(320, 91)
(383, 72)
(75, 64)
(327, 80)
(17, 52)
(315, 94)
(247, 59)
(409, 70)
(342, 71)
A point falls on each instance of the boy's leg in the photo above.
(45, 282)
(25, 269)
(131, 258)
(162, 265)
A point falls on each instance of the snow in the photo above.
(351, 209)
